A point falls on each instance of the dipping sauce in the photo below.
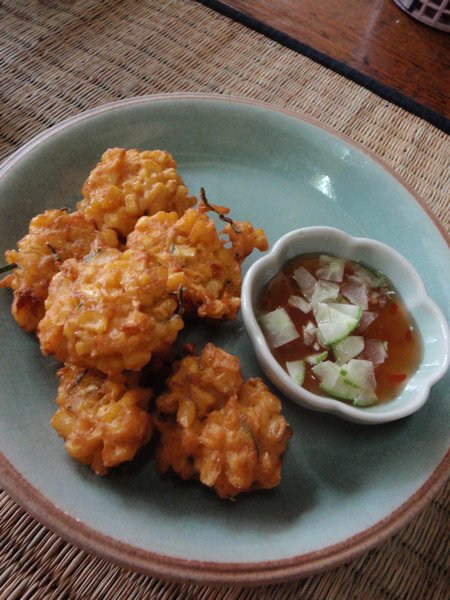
(340, 329)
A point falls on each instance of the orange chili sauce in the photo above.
(393, 325)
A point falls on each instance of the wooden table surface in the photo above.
(375, 37)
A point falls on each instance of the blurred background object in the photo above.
(435, 13)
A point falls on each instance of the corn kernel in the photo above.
(80, 348)
(132, 205)
(175, 281)
(186, 413)
(93, 321)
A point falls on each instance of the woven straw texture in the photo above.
(61, 57)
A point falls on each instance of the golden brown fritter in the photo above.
(107, 312)
(53, 237)
(127, 184)
(241, 444)
(111, 312)
(244, 239)
(200, 385)
(198, 260)
(103, 420)
(230, 434)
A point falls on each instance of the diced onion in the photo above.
(309, 334)
(356, 293)
(375, 351)
(366, 319)
(371, 278)
(306, 282)
(300, 303)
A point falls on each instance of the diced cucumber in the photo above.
(370, 277)
(325, 259)
(348, 309)
(360, 373)
(336, 321)
(296, 369)
(327, 372)
(332, 271)
(348, 348)
(300, 303)
(331, 381)
(345, 382)
(365, 398)
(278, 327)
(325, 291)
(315, 359)
(307, 282)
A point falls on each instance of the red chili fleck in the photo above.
(216, 270)
(189, 348)
(394, 307)
(396, 377)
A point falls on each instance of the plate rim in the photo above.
(208, 572)
(171, 568)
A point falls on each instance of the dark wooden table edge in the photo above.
(387, 93)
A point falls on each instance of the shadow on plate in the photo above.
(139, 482)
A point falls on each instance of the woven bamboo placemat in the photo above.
(62, 57)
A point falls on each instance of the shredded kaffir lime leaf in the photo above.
(222, 217)
(7, 268)
(53, 251)
(180, 301)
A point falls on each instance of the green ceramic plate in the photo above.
(345, 486)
